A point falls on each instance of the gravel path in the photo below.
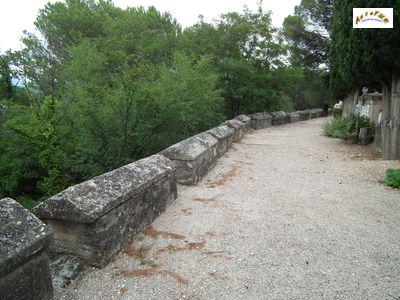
(286, 214)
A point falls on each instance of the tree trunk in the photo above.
(390, 127)
(349, 103)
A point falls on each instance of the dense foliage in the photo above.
(308, 35)
(99, 86)
(362, 57)
(347, 128)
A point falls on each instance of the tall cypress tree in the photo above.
(361, 57)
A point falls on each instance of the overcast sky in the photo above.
(18, 15)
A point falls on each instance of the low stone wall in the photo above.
(94, 220)
(246, 120)
(261, 120)
(238, 127)
(279, 118)
(313, 114)
(319, 112)
(24, 265)
(194, 157)
(304, 115)
(293, 117)
(224, 135)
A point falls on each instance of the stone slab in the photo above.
(24, 266)
(293, 117)
(304, 115)
(278, 118)
(89, 200)
(94, 220)
(319, 111)
(246, 120)
(194, 157)
(261, 120)
(238, 127)
(64, 269)
(22, 234)
(313, 114)
(224, 135)
(31, 280)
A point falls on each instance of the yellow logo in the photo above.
(373, 16)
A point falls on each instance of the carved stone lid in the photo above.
(22, 234)
(221, 132)
(278, 114)
(243, 118)
(89, 200)
(191, 148)
(234, 123)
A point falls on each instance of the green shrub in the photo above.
(393, 178)
(347, 128)
(337, 113)
(334, 128)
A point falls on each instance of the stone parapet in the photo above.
(224, 135)
(293, 117)
(24, 265)
(238, 127)
(246, 120)
(194, 157)
(304, 115)
(94, 219)
(261, 120)
(278, 118)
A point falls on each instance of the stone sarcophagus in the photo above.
(24, 265)
(94, 219)
(313, 114)
(261, 120)
(278, 118)
(304, 115)
(193, 157)
(320, 112)
(293, 117)
(224, 135)
(238, 128)
(246, 120)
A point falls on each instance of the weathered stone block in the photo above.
(194, 157)
(313, 114)
(238, 128)
(246, 120)
(304, 115)
(293, 117)
(261, 120)
(64, 269)
(320, 112)
(224, 135)
(278, 118)
(94, 220)
(24, 265)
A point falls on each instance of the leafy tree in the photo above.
(360, 57)
(6, 86)
(307, 33)
(248, 58)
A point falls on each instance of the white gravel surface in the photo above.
(286, 214)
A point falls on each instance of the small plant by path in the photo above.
(393, 178)
(347, 128)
